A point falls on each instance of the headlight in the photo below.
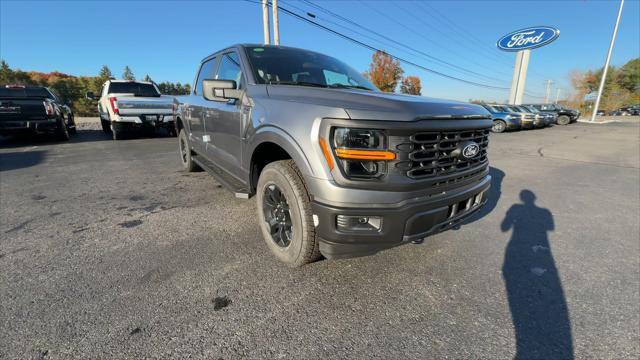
(508, 117)
(361, 153)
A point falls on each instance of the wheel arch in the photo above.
(273, 145)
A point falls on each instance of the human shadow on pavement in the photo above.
(536, 299)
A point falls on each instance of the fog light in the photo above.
(358, 223)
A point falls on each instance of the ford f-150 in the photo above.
(338, 167)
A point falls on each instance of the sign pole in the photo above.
(519, 77)
(606, 64)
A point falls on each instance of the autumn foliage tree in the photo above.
(622, 86)
(384, 72)
(411, 85)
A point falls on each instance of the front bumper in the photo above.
(411, 220)
(539, 123)
(18, 126)
(527, 124)
(513, 124)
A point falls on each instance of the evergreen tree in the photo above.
(127, 74)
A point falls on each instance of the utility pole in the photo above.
(265, 22)
(557, 94)
(276, 26)
(606, 64)
(547, 90)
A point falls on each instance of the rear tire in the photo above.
(118, 131)
(62, 133)
(285, 215)
(185, 153)
(499, 126)
(72, 125)
(106, 126)
(563, 120)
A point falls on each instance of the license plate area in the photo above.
(150, 118)
(464, 206)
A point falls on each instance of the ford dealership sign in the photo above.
(529, 38)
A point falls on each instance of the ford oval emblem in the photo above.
(470, 150)
(529, 38)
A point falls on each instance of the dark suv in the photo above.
(565, 115)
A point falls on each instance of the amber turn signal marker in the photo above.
(365, 154)
(326, 153)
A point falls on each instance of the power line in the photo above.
(431, 57)
(443, 34)
(372, 48)
(470, 36)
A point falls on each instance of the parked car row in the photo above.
(633, 110)
(531, 116)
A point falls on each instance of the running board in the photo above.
(232, 184)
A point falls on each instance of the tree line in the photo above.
(622, 87)
(72, 89)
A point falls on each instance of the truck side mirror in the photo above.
(90, 95)
(220, 90)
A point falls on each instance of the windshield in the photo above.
(137, 89)
(532, 109)
(285, 66)
(19, 92)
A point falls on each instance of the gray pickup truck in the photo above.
(338, 167)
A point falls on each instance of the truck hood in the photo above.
(373, 105)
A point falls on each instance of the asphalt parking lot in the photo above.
(108, 250)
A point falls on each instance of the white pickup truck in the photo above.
(126, 105)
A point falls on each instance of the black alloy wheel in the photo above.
(277, 215)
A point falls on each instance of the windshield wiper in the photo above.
(343, 86)
(300, 83)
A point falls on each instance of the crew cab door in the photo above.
(197, 108)
(224, 121)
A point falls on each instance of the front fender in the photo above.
(273, 134)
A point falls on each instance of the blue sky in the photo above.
(167, 39)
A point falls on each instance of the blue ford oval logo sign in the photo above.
(529, 38)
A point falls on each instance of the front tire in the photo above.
(499, 126)
(563, 120)
(285, 215)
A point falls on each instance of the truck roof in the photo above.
(130, 81)
(245, 45)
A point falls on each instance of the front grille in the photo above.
(432, 157)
